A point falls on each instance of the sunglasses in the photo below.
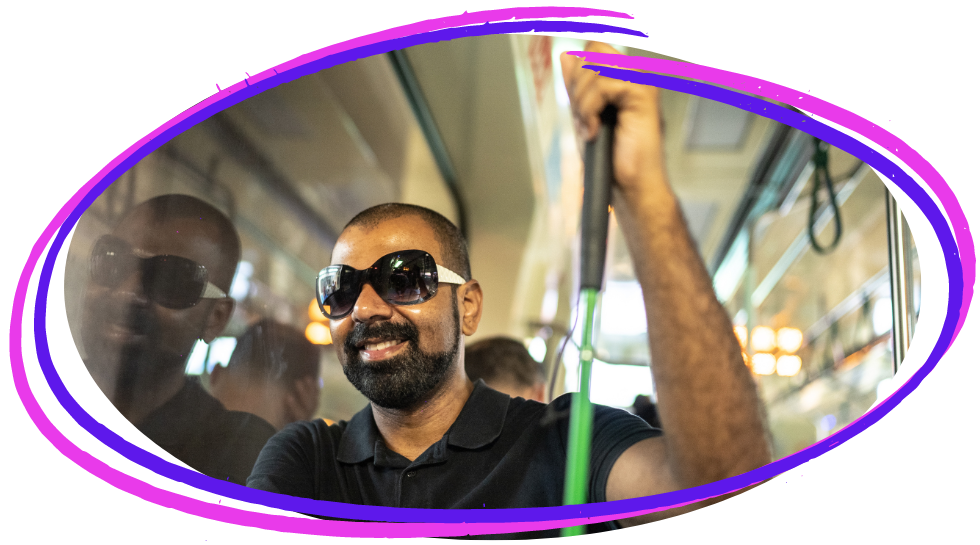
(407, 277)
(170, 281)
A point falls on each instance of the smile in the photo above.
(380, 346)
(374, 351)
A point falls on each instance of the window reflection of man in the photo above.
(158, 284)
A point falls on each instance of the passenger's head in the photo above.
(398, 355)
(159, 282)
(505, 365)
(645, 408)
(274, 372)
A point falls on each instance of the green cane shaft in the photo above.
(580, 421)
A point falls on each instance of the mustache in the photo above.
(136, 317)
(362, 332)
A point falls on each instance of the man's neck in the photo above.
(410, 432)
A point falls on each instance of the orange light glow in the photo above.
(763, 364)
(314, 312)
(763, 339)
(789, 339)
(318, 333)
(788, 366)
(743, 335)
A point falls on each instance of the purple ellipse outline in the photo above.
(20, 306)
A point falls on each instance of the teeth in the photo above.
(379, 346)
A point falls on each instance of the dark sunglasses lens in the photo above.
(111, 263)
(174, 282)
(337, 288)
(409, 279)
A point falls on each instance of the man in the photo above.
(431, 438)
(505, 365)
(159, 283)
(273, 373)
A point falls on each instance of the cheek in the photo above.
(339, 331)
(179, 329)
(436, 335)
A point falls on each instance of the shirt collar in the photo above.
(478, 424)
(482, 418)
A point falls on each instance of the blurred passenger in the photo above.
(273, 373)
(158, 284)
(646, 409)
(505, 365)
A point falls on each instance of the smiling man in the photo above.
(400, 299)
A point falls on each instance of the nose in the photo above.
(370, 307)
(131, 288)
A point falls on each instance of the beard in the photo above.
(404, 380)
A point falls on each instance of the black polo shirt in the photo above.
(198, 430)
(500, 453)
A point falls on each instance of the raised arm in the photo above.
(712, 418)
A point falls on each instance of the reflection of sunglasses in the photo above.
(168, 280)
(408, 277)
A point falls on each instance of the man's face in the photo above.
(123, 325)
(395, 355)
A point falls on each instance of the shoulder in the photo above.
(307, 437)
(289, 462)
(246, 428)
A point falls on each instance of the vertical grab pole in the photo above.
(900, 269)
(595, 230)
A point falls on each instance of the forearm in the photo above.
(712, 418)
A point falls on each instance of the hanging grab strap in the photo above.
(821, 175)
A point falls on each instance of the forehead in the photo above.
(191, 237)
(360, 247)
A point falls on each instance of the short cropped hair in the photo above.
(275, 352)
(175, 206)
(451, 241)
(502, 359)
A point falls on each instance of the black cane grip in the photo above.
(595, 200)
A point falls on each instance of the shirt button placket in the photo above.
(407, 493)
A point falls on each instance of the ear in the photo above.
(470, 300)
(218, 318)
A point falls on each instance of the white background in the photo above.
(82, 83)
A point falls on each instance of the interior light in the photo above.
(743, 335)
(763, 339)
(314, 312)
(881, 316)
(745, 357)
(789, 339)
(788, 366)
(242, 281)
(763, 364)
(318, 333)
(537, 348)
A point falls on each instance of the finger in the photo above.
(569, 65)
(585, 101)
(600, 47)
